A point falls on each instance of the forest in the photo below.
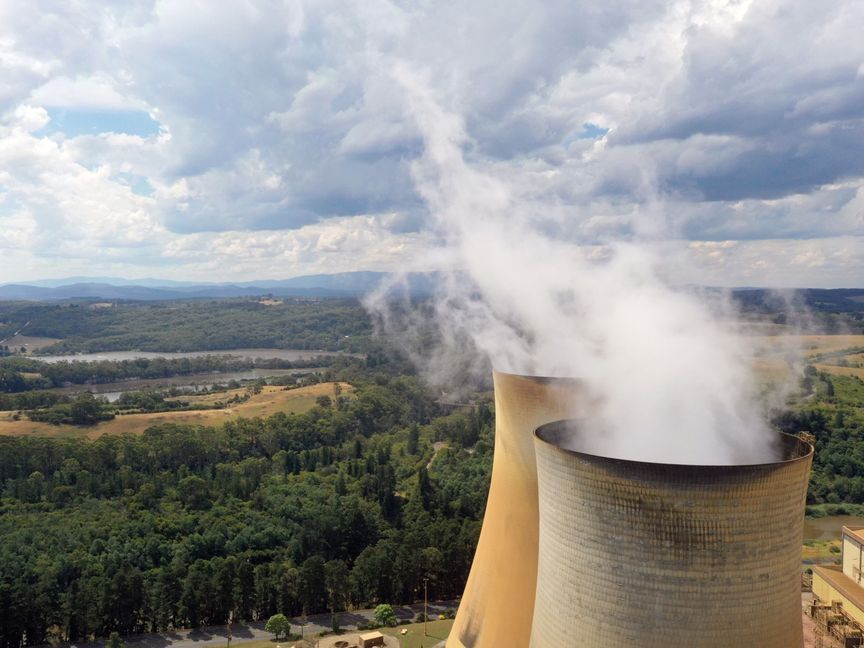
(348, 504)
(193, 325)
(832, 410)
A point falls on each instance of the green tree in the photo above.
(194, 492)
(424, 487)
(279, 625)
(85, 409)
(413, 439)
(114, 641)
(11, 381)
(336, 581)
(384, 615)
(340, 487)
(312, 585)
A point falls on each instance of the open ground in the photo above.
(270, 401)
(27, 342)
(778, 355)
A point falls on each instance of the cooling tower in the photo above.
(672, 556)
(498, 603)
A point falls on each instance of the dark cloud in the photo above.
(784, 87)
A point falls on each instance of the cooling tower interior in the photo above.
(498, 603)
(661, 555)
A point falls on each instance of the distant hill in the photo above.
(836, 300)
(357, 284)
(346, 284)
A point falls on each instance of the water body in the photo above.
(829, 527)
(266, 354)
(191, 382)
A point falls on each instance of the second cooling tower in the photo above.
(498, 604)
(667, 556)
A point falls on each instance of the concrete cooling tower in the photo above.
(672, 556)
(584, 550)
(498, 603)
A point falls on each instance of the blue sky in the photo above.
(266, 139)
(72, 122)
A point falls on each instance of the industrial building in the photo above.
(580, 549)
(843, 584)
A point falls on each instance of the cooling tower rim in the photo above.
(800, 451)
(536, 377)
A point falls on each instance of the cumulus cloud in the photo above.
(691, 120)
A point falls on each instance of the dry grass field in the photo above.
(269, 401)
(840, 371)
(776, 351)
(29, 343)
(807, 345)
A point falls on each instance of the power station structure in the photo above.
(838, 592)
(581, 549)
(498, 603)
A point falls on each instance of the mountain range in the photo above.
(345, 284)
(349, 284)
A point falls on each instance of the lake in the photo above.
(829, 527)
(191, 382)
(266, 354)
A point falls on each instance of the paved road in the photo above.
(217, 636)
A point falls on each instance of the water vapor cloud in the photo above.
(671, 382)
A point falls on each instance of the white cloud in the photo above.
(338, 245)
(26, 118)
(89, 92)
(282, 117)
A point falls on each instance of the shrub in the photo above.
(384, 615)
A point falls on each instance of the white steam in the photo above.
(672, 384)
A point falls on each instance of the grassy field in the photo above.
(840, 371)
(269, 401)
(821, 552)
(30, 343)
(776, 352)
(414, 638)
(807, 345)
(438, 631)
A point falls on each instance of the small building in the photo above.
(371, 639)
(844, 583)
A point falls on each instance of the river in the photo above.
(192, 382)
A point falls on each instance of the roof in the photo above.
(371, 635)
(856, 532)
(835, 577)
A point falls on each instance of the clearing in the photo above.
(414, 638)
(775, 352)
(28, 342)
(806, 345)
(269, 401)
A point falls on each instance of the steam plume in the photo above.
(672, 383)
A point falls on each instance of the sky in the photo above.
(241, 140)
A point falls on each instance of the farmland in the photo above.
(269, 401)
(777, 356)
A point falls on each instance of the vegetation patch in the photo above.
(269, 401)
(415, 637)
(195, 325)
(186, 525)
